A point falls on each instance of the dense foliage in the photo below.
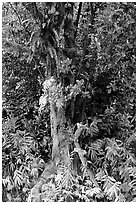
(69, 102)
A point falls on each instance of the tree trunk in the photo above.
(60, 149)
(59, 129)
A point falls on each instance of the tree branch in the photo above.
(92, 13)
(78, 17)
(68, 27)
(84, 103)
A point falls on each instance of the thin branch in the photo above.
(78, 17)
(92, 13)
(84, 103)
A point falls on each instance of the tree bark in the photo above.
(60, 149)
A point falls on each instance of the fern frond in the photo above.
(28, 140)
(64, 178)
(93, 191)
(112, 149)
(67, 179)
(127, 172)
(130, 158)
(114, 190)
(131, 139)
(108, 182)
(100, 174)
(18, 178)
